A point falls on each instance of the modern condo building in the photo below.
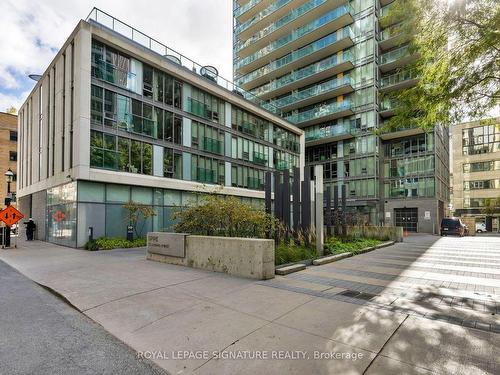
(328, 65)
(118, 117)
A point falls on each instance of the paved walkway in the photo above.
(41, 335)
(426, 306)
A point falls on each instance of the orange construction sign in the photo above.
(10, 216)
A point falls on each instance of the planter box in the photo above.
(244, 257)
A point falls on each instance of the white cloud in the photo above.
(33, 31)
(8, 100)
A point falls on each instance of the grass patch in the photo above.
(337, 245)
(291, 252)
(108, 243)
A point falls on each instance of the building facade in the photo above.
(476, 166)
(328, 66)
(8, 145)
(119, 117)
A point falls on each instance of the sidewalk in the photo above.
(187, 317)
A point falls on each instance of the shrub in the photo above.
(336, 245)
(107, 243)
(223, 216)
(291, 252)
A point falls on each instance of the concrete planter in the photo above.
(244, 257)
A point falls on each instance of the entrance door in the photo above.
(406, 218)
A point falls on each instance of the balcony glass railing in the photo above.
(295, 35)
(197, 108)
(394, 55)
(399, 77)
(309, 49)
(255, 183)
(313, 91)
(390, 32)
(281, 165)
(387, 104)
(293, 15)
(206, 175)
(245, 8)
(386, 10)
(259, 16)
(96, 16)
(305, 72)
(212, 145)
(259, 158)
(318, 112)
(327, 132)
(111, 73)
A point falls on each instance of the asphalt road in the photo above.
(41, 334)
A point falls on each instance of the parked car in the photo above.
(452, 225)
(481, 227)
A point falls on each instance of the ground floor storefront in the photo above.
(64, 214)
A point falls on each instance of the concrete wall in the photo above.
(381, 233)
(244, 257)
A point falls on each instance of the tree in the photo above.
(136, 212)
(11, 110)
(492, 207)
(458, 49)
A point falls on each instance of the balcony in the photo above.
(308, 33)
(197, 108)
(299, 16)
(321, 113)
(383, 3)
(281, 165)
(206, 176)
(255, 183)
(244, 12)
(319, 49)
(329, 134)
(398, 81)
(314, 94)
(386, 107)
(259, 158)
(111, 73)
(400, 132)
(396, 59)
(274, 11)
(212, 145)
(316, 72)
(392, 37)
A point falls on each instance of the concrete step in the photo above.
(289, 269)
(331, 258)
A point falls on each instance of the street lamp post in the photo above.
(9, 177)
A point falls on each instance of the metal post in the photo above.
(320, 235)
(296, 199)
(336, 211)
(328, 197)
(286, 202)
(306, 200)
(267, 198)
(344, 207)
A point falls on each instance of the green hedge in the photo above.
(106, 243)
(335, 245)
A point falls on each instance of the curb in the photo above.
(299, 266)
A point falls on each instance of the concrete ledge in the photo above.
(331, 258)
(289, 269)
(244, 257)
(385, 244)
(367, 250)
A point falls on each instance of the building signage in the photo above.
(427, 215)
(170, 244)
(388, 215)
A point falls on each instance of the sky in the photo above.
(33, 31)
